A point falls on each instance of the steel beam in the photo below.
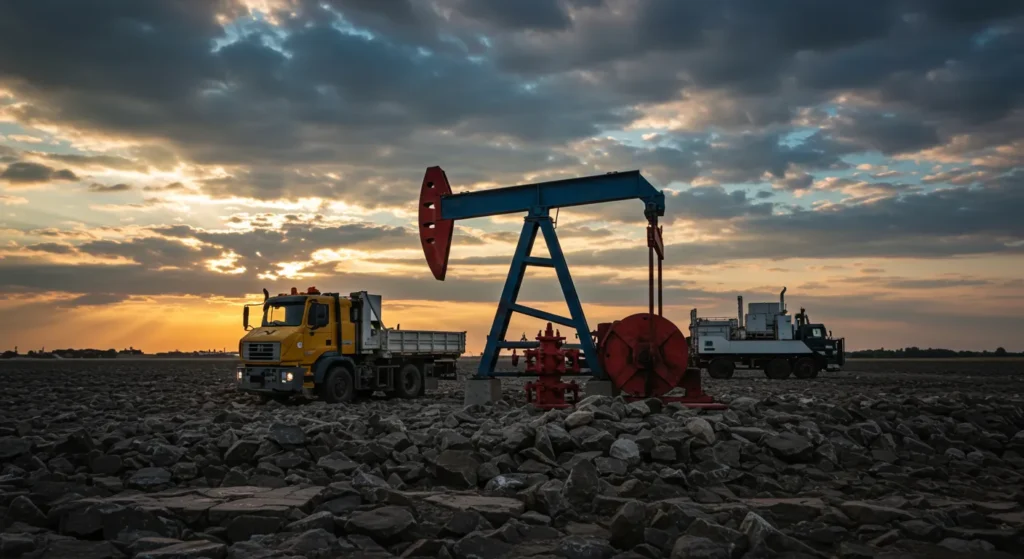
(581, 191)
(510, 293)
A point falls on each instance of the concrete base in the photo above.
(430, 384)
(599, 388)
(482, 391)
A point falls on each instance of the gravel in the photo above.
(151, 458)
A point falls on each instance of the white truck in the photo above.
(767, 339)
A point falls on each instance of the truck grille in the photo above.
(261, 351)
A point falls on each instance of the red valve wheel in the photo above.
(642, 365)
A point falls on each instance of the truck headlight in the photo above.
(289, 377)
(238, 374)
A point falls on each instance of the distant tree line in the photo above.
(89, 353)
(919, 353)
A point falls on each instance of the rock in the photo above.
(791, 447)
(584, 547)
(625, 450)
(187, 550)
(288, 436)
(663, 453)
(610, 466)
(337, 463)
(627, 526)
(22, 509)
(579, 418)
(497, 510)
(535, 518)
(921, 530)
(425, 548)
(743, 404)
(78, 442)
(582, 485)
(149, 479)
(385, 525)
(165, 456)
(869, 513)
(323, 520)
(728, 537)
(463, 523)
(68, 548)
(106, 464)
(142, 545)
(315, 544)
(476, 546)
(242, 452)
(967, 546)
(457, 468)
(242, 528)
(693, 547)
(701, 431)
(13, 447)
(16, 545)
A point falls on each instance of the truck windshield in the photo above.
(283, 314)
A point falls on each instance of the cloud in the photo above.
(25, 172)
(8, 200)
(120, 187)
(543, 15)
(92, 300)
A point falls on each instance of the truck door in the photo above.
(319, 336)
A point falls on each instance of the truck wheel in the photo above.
(409, 383)
(721, 368)
(777, 369)
(805, 368)
(338, 386)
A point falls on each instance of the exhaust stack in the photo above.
(782, 301)
(739, 310)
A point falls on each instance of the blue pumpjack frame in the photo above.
(537, 220)
(537, 200)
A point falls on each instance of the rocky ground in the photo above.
(163, 459)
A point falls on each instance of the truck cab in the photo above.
(819, 339)
(333, 347)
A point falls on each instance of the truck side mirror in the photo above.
(322, 316)
(245, 317)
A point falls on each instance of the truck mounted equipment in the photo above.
(766, 339)
(336, 348)
(643, 355)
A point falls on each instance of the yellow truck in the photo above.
(336, 348)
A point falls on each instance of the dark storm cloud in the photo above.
(150, 251)
(544, 15)
(260, 249)
(93, 161)
(103, 188)
(54, 248)
(888, 134)
(8, 154)
(92, 300)
(26, 172)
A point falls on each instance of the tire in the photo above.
(409, 382)
(777, 369)
(805, 368)
(338, 386)
(721, 369)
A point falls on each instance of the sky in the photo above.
(161, 162)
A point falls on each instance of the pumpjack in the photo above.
(643, 355)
